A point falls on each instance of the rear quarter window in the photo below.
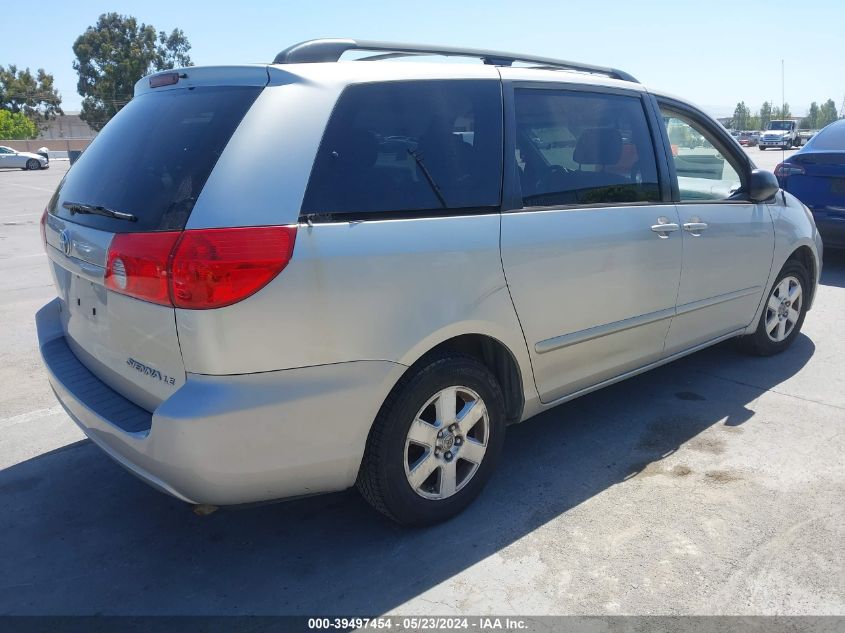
(153, 159)
(410, 146)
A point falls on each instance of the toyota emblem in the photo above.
(65, 242)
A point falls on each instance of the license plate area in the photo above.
(87, 301)
(87, 314)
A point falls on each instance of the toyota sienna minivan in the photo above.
(286, 279)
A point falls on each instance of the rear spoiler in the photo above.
(193, 76)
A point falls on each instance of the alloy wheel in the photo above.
(783, 309)
(446, 442)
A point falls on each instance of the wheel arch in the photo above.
(802, 251)
(804, 255)
(513, 374)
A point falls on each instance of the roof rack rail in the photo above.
(331, 50)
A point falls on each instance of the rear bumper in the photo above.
(226, 440)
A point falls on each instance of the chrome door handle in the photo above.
(664, 227)
(695, 228)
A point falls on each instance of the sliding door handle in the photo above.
(695, 228)
(664, 227)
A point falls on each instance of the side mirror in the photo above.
(762, 185)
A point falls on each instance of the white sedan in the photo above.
(23, 160)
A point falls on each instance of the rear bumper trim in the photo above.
(93, 393)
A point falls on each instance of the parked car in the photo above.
(10, 158)
(805, 135)
(816, 176)
(424, 254)
(748, 139)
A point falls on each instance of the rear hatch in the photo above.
(136, 185)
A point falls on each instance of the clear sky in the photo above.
(712, 52)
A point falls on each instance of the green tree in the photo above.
(33, 95)
(765, 114)
(827, 113)
(811, 121)
(114, 54)
(16, 125)
(741, 116)
(781, 112)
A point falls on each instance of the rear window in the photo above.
(830, 138)
(410, 146)
(153, 158)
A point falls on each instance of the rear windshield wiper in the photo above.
(78, 207)
(437, 191)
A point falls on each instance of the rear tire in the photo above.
(32, 164)
(781, 321)
(435, 442)
(762, 149)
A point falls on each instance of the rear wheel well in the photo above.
(804, 256)
(497, 358)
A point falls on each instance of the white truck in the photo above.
(782, 134)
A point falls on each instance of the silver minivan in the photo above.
(287, 279)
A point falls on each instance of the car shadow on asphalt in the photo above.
(82, 536)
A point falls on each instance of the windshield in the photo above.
(780, 125)
(152, 160)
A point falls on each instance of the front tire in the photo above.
(783, 315)
(762, 149)
(32, 164)
(435, 441)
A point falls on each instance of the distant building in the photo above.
(67, 126)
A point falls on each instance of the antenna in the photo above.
(783, 98)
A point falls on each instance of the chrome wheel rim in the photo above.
(783, 309)
(446, 443)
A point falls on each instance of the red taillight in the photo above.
(212, 268)
(199, 268)
(137, 265)
(788, 169)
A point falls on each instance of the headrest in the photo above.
(598, 146)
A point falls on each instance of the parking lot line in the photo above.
(29, 416)
(17, 184)
(21, 215)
